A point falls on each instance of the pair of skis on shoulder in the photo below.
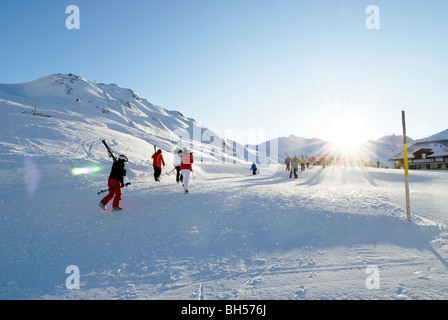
(114, 157)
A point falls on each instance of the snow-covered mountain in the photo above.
(373, 150)
(443, 135)
(384, 148)
(73, 115)
(293, 145)
(380, 150)
(66, 116)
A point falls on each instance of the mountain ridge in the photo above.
(380, 150)
(113, 110)
(79, 112)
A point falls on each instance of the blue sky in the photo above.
(279, 67)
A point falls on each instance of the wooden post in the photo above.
(406, 169)
(35, 112)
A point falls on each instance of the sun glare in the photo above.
(346, 132)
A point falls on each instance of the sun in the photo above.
(346, 132)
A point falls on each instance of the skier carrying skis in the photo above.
(177, 163)
(287, 162)
(157, 161)
(115, 184)
(254, 168)
(186, 167)
(294, 167)
(302, 163)
(322, 161)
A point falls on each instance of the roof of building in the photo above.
(439, 148)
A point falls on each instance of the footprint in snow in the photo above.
(300, 293)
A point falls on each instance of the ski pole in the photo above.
(168, 173)
(127, 184)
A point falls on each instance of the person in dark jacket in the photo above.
(254, 168)
(115, 184)
(288, 162)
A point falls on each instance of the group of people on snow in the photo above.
(292, 165)
(326, 160)
(183, 161)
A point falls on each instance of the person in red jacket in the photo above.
(115, 184)
(186, 161)
(157, 162)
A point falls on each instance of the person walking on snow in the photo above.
(302, 163)
(294, 167)
(177, 163)
(254, 168)
(287, 162)
(157, 161)
(322, 161)
(115, 184)
(186, 167)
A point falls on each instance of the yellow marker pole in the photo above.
(406, 168)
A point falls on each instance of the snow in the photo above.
(235, 236)
(443, 135)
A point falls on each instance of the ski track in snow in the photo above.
(235, 236)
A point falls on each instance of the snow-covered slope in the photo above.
(74, 115)
(443, 135)
(235, 236)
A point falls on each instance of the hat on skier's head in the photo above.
(159, 151)
(185, 152)
(123, 157)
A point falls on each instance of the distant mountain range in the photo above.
(64, 116)
(380, 150)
